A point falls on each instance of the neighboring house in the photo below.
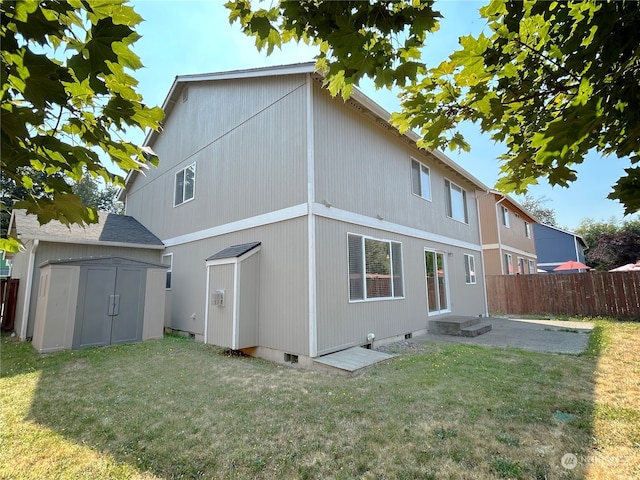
(507, 235)
(115, 239)
(297, 224)
(556, 246)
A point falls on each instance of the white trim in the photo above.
(27, 293)
(80, 241)
(206, 303)
(311, 225)
(235, 324)
(288, 213)
(550, 264)
(494, 246)
(364, 221)
(320, 210)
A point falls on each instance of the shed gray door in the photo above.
(110, 306)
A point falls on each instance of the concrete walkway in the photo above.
(537, 335)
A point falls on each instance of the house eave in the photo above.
(91, 242)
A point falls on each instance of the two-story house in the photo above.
(556, 246)
(508, 242)
(297, 224)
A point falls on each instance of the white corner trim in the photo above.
(206, 303)
(311, 225)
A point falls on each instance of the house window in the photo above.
(508, 264)
(185, 185)
(420, 180)
(168, 260)
(456, 203)
(505, 216)
(375, 268)
(532, 266)
(520, 266)
(469, 269)
(527, 229)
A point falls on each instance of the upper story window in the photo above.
(420, 180)
(527, 229)
(185, 186)
(375, 268)
(505, 216)
(456, 202)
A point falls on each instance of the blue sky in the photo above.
(194, 36)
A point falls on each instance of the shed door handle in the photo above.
(114, 305)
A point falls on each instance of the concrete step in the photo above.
(475, 330)
(451, 325)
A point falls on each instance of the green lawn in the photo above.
(177, 409)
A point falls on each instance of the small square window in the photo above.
(420, 180)
(505, 216)
(168, 260)
(185, 185)
(456, 202)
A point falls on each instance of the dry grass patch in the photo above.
(177, 409)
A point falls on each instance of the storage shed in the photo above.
(98, 301)
(60, 254)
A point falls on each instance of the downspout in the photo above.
(484, 272)
(311, 225)
(27, 293)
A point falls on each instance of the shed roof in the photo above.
(111, 229)
(234, 251)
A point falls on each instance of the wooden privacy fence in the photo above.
(607, 294)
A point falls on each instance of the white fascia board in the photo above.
(362, 220)
(77, 241)
(257, 221)
(321, 211)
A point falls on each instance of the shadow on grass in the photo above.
(178, 409)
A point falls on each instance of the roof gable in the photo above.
(361, 101)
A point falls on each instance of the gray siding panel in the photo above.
(249, 161)
(342, 323)
(363, 167)
(283, 304)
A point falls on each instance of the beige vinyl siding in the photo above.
(283, 296)
(488, 219)
(51, 250)
(342, 323)
(248, 140)
(363, 167)
(515, 236)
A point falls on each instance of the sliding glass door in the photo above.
(437, 285)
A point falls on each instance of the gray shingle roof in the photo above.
(234, 251)
(111, 228)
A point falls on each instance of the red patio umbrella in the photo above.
(571, 265)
